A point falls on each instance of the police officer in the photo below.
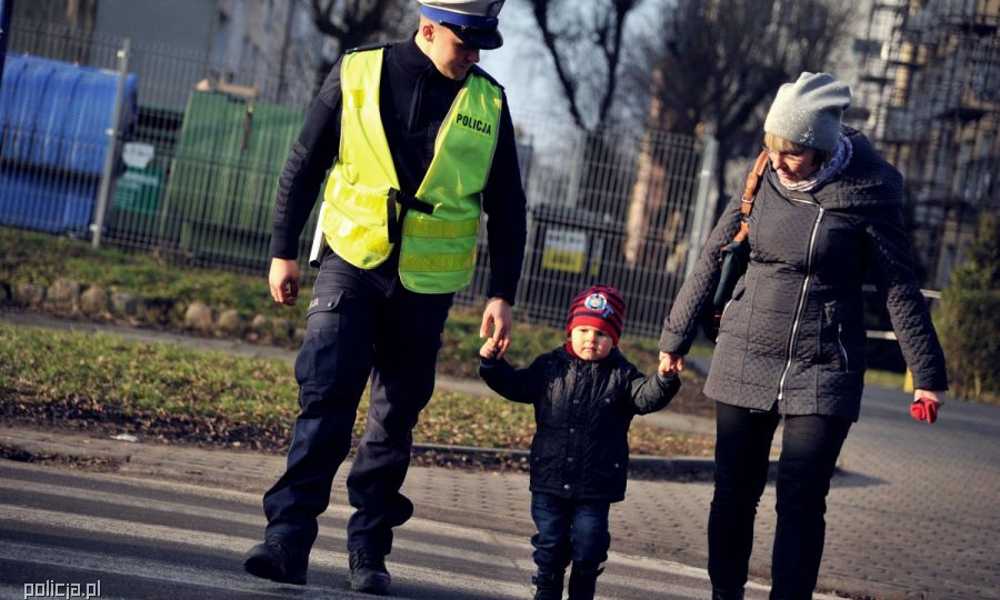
(419, 139)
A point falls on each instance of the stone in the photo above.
(29, 294)
(157, 310)
(282, 329)
(198, 317)
(64, 294)
(260, 324)
(94, 301)
(124, 304)
(230, 323)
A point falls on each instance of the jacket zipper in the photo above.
(725, 308)
(801, 304)
(843, 350)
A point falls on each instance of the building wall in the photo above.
(272, 43)
(171, 43)
(177, 43)
(936, 115)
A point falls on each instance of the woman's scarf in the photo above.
(828, 170)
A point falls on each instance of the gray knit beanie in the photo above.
(808, 111)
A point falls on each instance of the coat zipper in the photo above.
(802, 298)
(843, 350)
(722, 315)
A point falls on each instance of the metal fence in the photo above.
(195, 163)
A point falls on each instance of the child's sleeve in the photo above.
(650, 394)
(519, 385)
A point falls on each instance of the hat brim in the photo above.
(483, 39)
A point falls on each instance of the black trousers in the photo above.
(357, 327)
(809, 450)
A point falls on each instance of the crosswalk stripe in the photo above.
(505, 550)
(97, 563)
(500, 543)
(238, 545)
(480, 558)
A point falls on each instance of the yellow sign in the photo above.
(564, 250)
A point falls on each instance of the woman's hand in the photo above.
(925, 405)
(670, 363)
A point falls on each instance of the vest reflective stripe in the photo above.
(437, 263)
(443, 229)
(437, 251)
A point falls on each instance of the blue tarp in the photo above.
(54, 118)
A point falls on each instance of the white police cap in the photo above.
(474, 21)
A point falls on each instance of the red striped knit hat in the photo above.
(601, 307)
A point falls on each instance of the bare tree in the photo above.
(352, 23)
(581, 32)
(719, 62)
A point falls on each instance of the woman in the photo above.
(791, 340)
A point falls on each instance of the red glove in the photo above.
(924, 409)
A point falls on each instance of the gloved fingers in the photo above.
(923, 409)
(932, 411)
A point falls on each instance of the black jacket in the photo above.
(414, 100)
(793, 332)
(583, 410)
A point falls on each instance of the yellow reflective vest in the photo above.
(364, 213)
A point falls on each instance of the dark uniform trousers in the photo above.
(357, 325)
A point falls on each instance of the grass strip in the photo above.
(177, 394)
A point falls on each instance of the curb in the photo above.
(642, 467)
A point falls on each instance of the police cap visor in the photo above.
(483, 39)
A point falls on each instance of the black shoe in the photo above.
(276, 561)
(548, 586)
(718, 594)
(368, 572)
(583, 582)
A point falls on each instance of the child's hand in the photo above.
(489, 349)
(670, 364)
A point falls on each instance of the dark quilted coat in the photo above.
(583, 410)
(793, 331)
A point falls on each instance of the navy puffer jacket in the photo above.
(583, 410)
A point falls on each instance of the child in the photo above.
(585, 394)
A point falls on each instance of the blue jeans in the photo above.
(569, 530)
(809, 450)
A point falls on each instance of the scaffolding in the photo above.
(930, 91)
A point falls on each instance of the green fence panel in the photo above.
(224, 175)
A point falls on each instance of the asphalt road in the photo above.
(146, 538)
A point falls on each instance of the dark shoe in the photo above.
(548, 586)
(368, 572)
(718, 594)
(583, 583)
(277, 561)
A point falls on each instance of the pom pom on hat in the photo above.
(600, 307)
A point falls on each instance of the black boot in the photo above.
(583, 582)
(548, 585)
(278, 560)
(368, 572)
(718, 594)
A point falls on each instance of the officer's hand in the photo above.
(497, 321)
(670, 363)
(283, 279)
